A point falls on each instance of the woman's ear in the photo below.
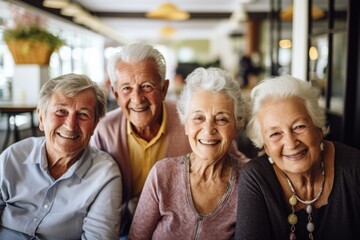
(186, 129)
(266, 150)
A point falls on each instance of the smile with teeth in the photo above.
(296, 155)
(139, 109)
(208, 142)
(68, 136)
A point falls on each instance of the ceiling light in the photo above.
(71, 10)
(168, 11)
(167, 31)
(239, 15)
(313, 53)
(82, 17)
(285, 43)
(245, 1)
(287, 12)
(55, 3)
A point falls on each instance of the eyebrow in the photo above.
(226, 113)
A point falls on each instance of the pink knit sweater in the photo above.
(166, 210)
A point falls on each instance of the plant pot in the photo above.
(30, 52)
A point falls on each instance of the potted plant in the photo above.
(28, 41)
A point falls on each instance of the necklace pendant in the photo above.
(310, 227)
(293, 200)
(292, 219)
(309, 209)
(292, 236)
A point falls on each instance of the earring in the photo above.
(322, 146)
(270, 160)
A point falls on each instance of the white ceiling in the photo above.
(127, 16)
(142, 29)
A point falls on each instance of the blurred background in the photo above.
(314, 40)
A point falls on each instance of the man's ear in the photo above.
(113, 90)
(165, 88)
(116, 95)
(41, 121)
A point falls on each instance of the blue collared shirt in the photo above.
(84, 203)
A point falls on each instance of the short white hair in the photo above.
(136, 53)
(283, 87)
(215, 80)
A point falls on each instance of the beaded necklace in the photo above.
(292, 218)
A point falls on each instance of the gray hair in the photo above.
(283, 87)
(215, 80)
(70, 85)
(135, 53)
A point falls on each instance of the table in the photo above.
(13, 109)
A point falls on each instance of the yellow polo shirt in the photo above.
(143, 154)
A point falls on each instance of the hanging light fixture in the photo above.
(58, 4)
(287, 13)
(167, 31)
(239, 15)
(71, 10)
(168, 11)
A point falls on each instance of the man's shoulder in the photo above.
(27, 145)
(111, 121)
(172, 115)
(28, 148)
(100, 154)
(101, 157)
(170, 106)
(112, 115)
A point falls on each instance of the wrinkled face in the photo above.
(290, 137)
(210, 124)
(139, 92)
(68, 123)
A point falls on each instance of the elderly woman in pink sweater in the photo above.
(194, 196)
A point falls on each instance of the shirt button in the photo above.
(35, 220)
(46, 206)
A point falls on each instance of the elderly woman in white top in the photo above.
(194, 196)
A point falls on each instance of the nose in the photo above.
(137, 95)
(209, 127)
(290, 141)
(71, 122)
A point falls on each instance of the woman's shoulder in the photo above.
(257, 163)
(342, 149)
(258, 167)
(170, 166)
(168, 171)
(346, 156)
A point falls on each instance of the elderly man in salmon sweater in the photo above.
(145, 128)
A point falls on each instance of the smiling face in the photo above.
(290, 137)
(210, 124)
(68, 123)
(139, 93)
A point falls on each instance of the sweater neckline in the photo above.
(229, 187)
